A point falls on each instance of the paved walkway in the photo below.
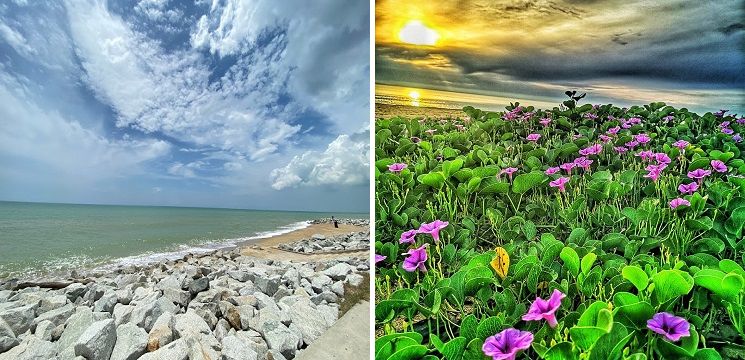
(348, 338)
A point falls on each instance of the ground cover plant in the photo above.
(579, 232)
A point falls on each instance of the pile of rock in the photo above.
(358, 241)
(355, 222)
(217, 306)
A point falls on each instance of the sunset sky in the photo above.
(686, 52)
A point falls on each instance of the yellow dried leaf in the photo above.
(501, 262)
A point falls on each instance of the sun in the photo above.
(416, 33)
(414, 95)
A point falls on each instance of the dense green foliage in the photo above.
(611, 242)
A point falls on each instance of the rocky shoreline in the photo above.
(320, 244)
(220, 305)
(355, 222)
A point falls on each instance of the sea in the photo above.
(38, 239)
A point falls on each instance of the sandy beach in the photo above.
(268, 248)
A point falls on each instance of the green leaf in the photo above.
(453, 349)
(636, 276)
(587, 262)
(468, 327)
(570, 259)
(433, 179)
(670, 284)
(451, 167)
(489, 327)
(409, 353)
(525, 182)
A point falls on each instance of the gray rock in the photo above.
(330, 313)
(236, 349)
(268, 284)
(338, 288)
(74, 291)
(31, 348)
(107, 302)
(339, 271)
(318, 237)
(241, 276)
(355, 279)
(199, 285)
(319, 281)
(7, 337)
(144, 315)
(52, 302)
(326, 296)
(161, 333)
(45, 329)
(19, 318)
(97, 341)
(279, 337)
(222, 329)
(122, 313)
(57, 316)
(74, 327)
(177, 350)
(305, 316)
(131, 342)
(177, 296)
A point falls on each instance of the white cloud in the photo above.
(344, 162)
(171, 92)
(15, 40)
(186, 170)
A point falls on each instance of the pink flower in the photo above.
(459, 127)
(642, 138)
(699, 174)
(576, 136)
(397, 167)
(681, 144)
(533, 137)
(632, 144)
(567, 167)
(506, 344)
(433, 228)
(379, 258)
(431, 131)
(552, 170)
(605, 138)
(545, 122)
(583, 162)
(541, 309)
(560, 183)
(718, 166)
(407, 237)
(654, 172)
(688, 188)
(727, 131)
(415, 260)
(645, 155)
(614, 130)
(591, 150)
(675, 203)
(661, 158)
(620, 149)
(670, 326)
(509, 171)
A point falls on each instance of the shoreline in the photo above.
(283, 234)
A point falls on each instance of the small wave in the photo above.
(183, 249)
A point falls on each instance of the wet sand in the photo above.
(267, 248)
(385, 111)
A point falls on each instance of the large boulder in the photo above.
(339, 271)
(177, 350)
(161, 333)
(107, 302)
(97, 341)
(74, 291)
(7, 337)
(57, 316)
(31, 348)
(305, 320)
(279, 337)
(19, 318)
(145, 314)
(237, 349)
(131, 342)
(75, 326)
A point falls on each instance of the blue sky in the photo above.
(260, 104)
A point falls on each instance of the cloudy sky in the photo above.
(684, 52)
(260, 104)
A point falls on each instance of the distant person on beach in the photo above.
(336, 223)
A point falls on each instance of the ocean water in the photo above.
(38, 238)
